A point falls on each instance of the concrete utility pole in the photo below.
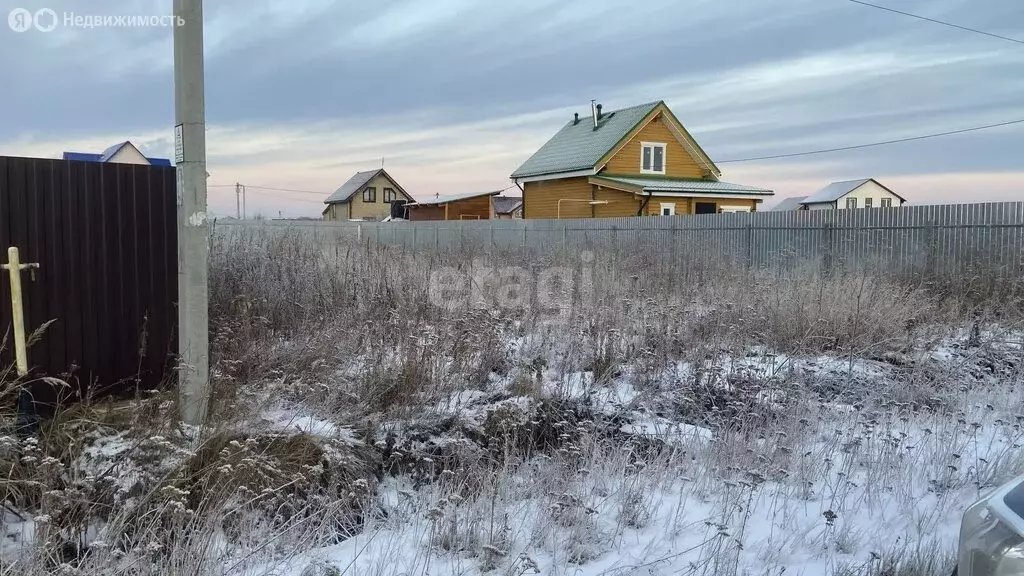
(193, 231)
(238, 200)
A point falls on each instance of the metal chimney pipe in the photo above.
(593, 112)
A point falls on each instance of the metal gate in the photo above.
(105, 238)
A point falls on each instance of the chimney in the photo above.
(593, 112)
(599, 112)
(575, 118)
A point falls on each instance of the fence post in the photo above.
(826, 256)
(750, 246)
(437, 243)
(931, 257)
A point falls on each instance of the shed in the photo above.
(469, 206)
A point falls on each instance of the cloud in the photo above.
(454, 94)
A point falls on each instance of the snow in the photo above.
(824, 487)
(665, 429)
(819, 484)
(294, 420)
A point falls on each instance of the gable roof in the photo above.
(789, 204)
(437, 201)
(110, 152)
(837, 190)
(506, 204)
(113, 150)
(357, 182)
(579, 146)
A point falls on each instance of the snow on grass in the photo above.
(665, 429)
(293, 420)
(819, 488)
(844, 490)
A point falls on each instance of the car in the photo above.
(992, 534)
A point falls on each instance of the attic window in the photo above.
(389, 195)
(652, 157)
(370, 194)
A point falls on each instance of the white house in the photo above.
(120, 153)
(864, 193)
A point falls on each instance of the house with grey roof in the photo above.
(849, 194)
(366, 195)
(634, 161)
(790, 204)
(507, 207)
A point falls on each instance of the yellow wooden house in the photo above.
(631, 162)
(365, 196)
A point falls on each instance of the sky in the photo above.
(453, 95)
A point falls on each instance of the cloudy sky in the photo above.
(455, 94)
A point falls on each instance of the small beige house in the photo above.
(365, 196)
(849, 194)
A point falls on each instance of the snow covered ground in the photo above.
(809, 465)
(711, 462)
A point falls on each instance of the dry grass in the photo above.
(350, 333)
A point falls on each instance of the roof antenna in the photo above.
(381, 162)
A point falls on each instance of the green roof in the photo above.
(579, 146)
(686, 185)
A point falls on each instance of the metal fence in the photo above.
(943, 240)
(105, 237)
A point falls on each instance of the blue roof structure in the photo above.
(82, 156)
(109, 153)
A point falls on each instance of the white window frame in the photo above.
(886, 203)
(734, 209)
(667, 209)
(664, 157)
(850, 201)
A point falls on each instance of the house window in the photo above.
(668, 209)
(389, 195)
(652, 158)
(886, 202)
(851, 203)
(370, 194)
(868, 202)
(705, 208)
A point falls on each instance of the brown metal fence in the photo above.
(105, 237)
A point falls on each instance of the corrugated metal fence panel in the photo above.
(909, 241)
(105, 236)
